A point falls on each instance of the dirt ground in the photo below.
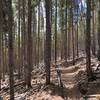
(70, 77)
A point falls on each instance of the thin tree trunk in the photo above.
(77, 35)
(55, 31)
(73, 47)
(93, 30)
(99, 31)
(11, 59)
(3, 57)
(19, 54)
(34, 36)
(48, 42)
(0, 41)
(62, 31)
(29, 46)
(88, 40)
(38, 41)
(69, 35)
(24, 40)
(66, 34)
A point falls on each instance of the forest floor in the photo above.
(73, 78)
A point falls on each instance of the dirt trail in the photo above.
(69, 81)
(68, 75)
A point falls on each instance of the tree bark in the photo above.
(73, 46)
(66, 34)
(93, 31)
(19, 50)
(88, 40)
(24, 39)
(10, 50)
(47, 42)
(29, 46)
(55, 31)
(1, 23)
(99, 31)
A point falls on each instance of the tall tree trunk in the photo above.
(1, 23)
(48, 42)
(55, 31)
(11, 59)
(34, 36)
(88, 40)
(24, 39)
(62, 30)
(73, 46)
(93, 30)
(77, 46)
(69, 34)
(65, 34)
(3, 56)
(42, 32)
(99, 31)
(19, 54)
(29, 46)
(6, 52)
(38, 40)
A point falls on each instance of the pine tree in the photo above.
(10, 50)
(47, 58)
(29, 45)
(88, 40)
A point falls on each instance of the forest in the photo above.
(49, 49)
